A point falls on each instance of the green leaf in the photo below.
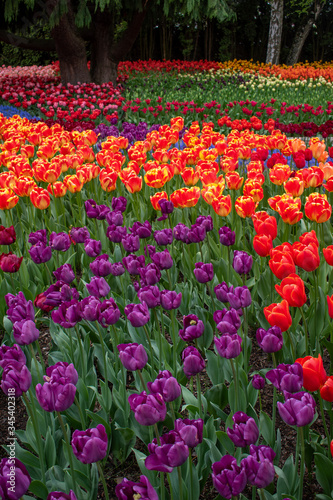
(266, 428)
(324, 472)
(39, 489)
(50, 449)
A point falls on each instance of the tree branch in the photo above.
(39, 44)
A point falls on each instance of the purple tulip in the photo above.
(286, 377)
(98, 287)
(191, 431)
(60, 241)
(228, 345)
(150, 274)
(39, 236)
(166, 206)
(11, 353)
(228, 320)
(180, 232)
(62, 373)
(242, 262)
(196, 234)
(143, 230)
(103, 211)
(203, 272)
(115, 217)
(91, 445)
(150, 295)
(68, 314)
(14, 479)
(58, 293)
(59, 495)
(65, 273)
(166, 385)
(117, 269)
(16, 379)
(172, 452)
(116, 233)
(163, 237)
(162, 260)
(133, 263)
(149, 250)
(206, 221)
(92, 209)
(127, 490)
(131, 242)
(148, 409)
(193, 362)
(270, 340)
(298, 409)
(222, 290)
(259, 466)
(170, 299)
(193, 328)
(227, 236)
(119, 204)
(132, 356)
(244, 431)
(55, 396)
(239, 297)
(25, 332)
(19, 307)
(108, 313)
(40, 253)
(92, 247)
(101, 266)
(228, 478)
(137, 314)
(89, 308)
(258, 382)
(79, 234)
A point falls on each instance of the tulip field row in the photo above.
(159, 258)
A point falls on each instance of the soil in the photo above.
(130, 469)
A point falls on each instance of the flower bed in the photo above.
(150, 264)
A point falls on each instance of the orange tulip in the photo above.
(190, 176)
(157, 177)
(222, 205)
(279, 174)
(306, 256)
(330, 305)
(294, 187)
(23, 186)
(265, 224)
(108, 179)
(185, 197)
(233, 180)
(211, 191)
(40, 198)
(253, 188)
(8, 199)
(289, 211)
(262, 244)
(328, 254)
(57, 189)
(73, 183)
(307, 238)
(245, 206)
(278, 315)
(154, 199)
(292, 289)
(281, 263)
(317, 208)
(314, 375)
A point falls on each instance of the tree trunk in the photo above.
(71, 51)
(102, 68)
(275, 32)
(302, 34)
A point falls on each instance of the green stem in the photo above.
(174, 342)
(324, 419)
(83, 360)
(262, 494)
(33, 414)
(305, 332)
(235, 383)
(83, 420)
(69, 451)
(180, 483)
(170, 486)
(159, 334)
(296, 462)
(293, 350)
(191, 472)
(142, 381)
(40, 355)
(101, 475)
(301, 476)
(199, 395)
(35, 360)
(150, 346)
(103, 353)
